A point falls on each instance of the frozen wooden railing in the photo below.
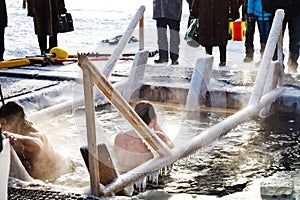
(89, 76)
(107, 70)
(261, 97)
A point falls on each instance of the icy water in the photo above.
(255, 149)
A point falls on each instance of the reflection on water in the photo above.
(256, 148)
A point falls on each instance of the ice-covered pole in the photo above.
(204, 139)
(267, 57)
(123, 42)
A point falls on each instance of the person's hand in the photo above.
(62, 11)
(234, 16)
(12, 138)
(251, 18)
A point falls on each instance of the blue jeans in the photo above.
(163, 46)
(264, 28)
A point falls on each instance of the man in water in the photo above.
(33, 148)
(130, 149)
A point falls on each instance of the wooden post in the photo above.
(267, 57)
(91, 130)
(271, 83)
(141, 34)
(136, 74)
(122, 43)
(152, 140)
(200, 80)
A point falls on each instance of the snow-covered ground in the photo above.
(96, 20)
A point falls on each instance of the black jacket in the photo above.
(290, 7)
(3, 14)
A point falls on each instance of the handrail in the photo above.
(273, 38)
(257, 101)
(89, 96)
(124, 40)
(152, 140)
(67, 106)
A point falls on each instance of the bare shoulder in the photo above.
(165, 138)
(119, 137)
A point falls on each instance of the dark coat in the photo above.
(171, 9)
(44, 13)
(3, 14)
(214, 20)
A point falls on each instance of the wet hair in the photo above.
(146, 111)
(13, 112)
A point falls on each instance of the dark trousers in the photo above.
(43, 43)
(222, 50)
(293, 23)
(163, 46)
(2, 46)
(250, 38)
(264, 28)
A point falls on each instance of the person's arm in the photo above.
(195, 9)
(250, 7)
(61, 7)
(31, 144)
(250, 11)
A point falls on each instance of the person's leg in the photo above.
(222, 50)
(264, 29)
(2, 46)
(52, 42)
(43, 44)
(249, 46)
(208, 50)
(294, 43)
(162, 40)
(174, 26)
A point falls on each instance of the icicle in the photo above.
(138, 185)
(153, 178)
(144, 184)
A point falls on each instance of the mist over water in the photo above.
(254, 149)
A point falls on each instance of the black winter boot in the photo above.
(262, 49)
(248, 57)
(222, 50)
(292, 62)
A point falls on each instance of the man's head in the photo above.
(12, 115)
(146, 111)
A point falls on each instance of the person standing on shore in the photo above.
(264, 21)
(167, 13)
(249, 36)
(3, 24)
(214, 18)
(44, 13)
(292, 20)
